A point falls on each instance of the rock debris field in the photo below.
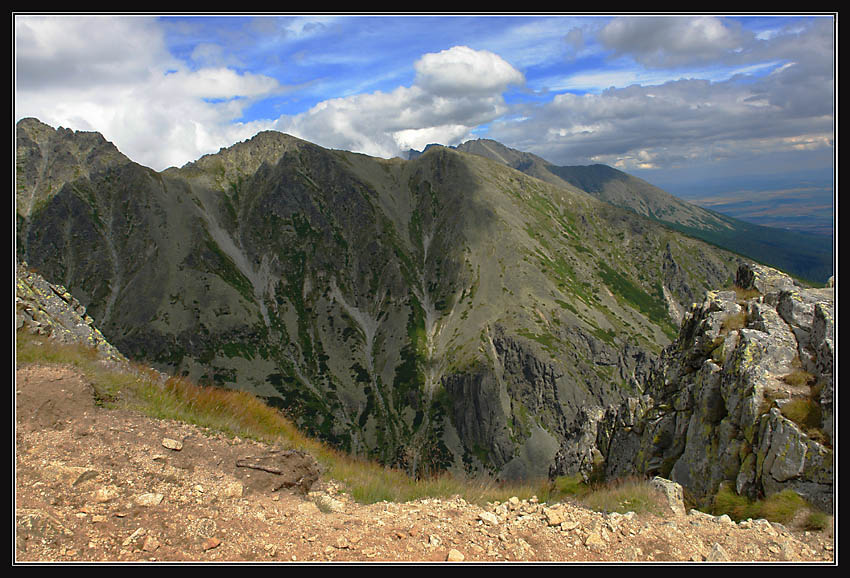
(96, 484)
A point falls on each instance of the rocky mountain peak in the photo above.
(48, 158)
(230, 164)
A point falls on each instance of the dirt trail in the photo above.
(110, 485)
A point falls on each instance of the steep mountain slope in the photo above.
(443, 312)
(806, 256)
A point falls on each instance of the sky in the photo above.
(674, 99)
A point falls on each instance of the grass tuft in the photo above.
(742, 295)
(804, 412)
(799, 378)
(734, 322)
(781, 507)
(807, 415)
(624, 495)
(570, 486)
(817, 521)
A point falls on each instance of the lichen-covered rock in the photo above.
(672, 493)
(791, 459)
(714, 409)
(48, 309)
(765, 280)
(821, 344)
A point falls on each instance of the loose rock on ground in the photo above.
(101, 485)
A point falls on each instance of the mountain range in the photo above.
(447, 312)
(806, 256)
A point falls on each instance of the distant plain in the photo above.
(803, 208)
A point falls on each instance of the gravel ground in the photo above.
(93, 484)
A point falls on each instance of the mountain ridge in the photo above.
(808, 257)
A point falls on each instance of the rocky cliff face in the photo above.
(742, 397)
(446, 312)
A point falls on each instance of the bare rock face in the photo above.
(743, 396)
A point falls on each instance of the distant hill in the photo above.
(808, 257)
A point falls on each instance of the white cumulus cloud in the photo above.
(117, 76)
(454, 91)
(462, 71)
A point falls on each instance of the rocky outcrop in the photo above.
(513, 415)
(277, 468)
(523, 415)
(743, 396)
(671, 493)
(49, 309)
